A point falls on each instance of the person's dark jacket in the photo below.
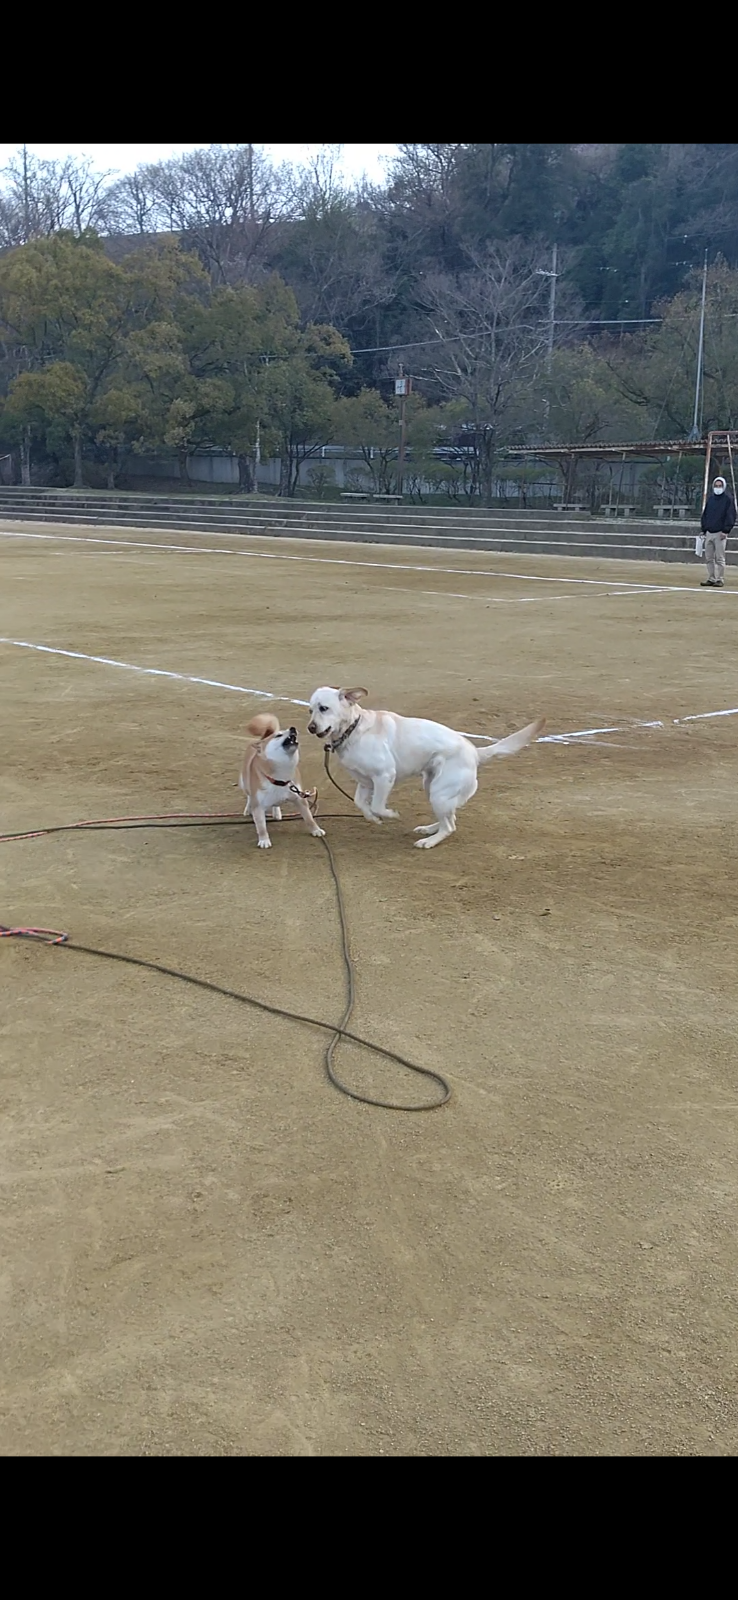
(719, 513)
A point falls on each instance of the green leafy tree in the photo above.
(657, 372)
(366, 423)
(65, 307)
(300, 393)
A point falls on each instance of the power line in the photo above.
(559, 322)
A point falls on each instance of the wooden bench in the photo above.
(351, 494)
(618, 511)
(670, 511)
(570, 506)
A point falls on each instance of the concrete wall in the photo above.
(347, 470)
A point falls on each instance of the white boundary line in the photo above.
(625, 585)
(629, 727)
(153, 672)
(264, 694)
(514, 600)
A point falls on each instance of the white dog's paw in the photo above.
(264, 844)
(378, 815)
(426, 844)
(429, 827)
(318, 833)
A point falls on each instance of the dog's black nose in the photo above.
(311, 727)
(293, 732)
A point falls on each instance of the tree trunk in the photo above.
(246, 475)
(286, 468)
(184, 471)
(79, 481)
(25, 455)
(368, 458)
(386, 474)
(487, 465)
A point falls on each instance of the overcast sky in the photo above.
(355, 159)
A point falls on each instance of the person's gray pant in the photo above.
(715, 544)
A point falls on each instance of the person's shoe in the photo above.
(708, 583)
(719, 583)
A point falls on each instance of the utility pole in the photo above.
(26, 207)
(552, 307)
(697, 429)
(402, 389)
(250, 183)
(257, 445)
(552, 273)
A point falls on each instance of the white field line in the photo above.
(266, 694)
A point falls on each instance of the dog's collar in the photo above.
(284, 783)
(336, 743)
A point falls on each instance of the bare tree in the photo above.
(425, 173)
(131, 205)
(85, 195)
(224, 201)
(333, 258)
(493, 322)
(40, 197)
(318, 184)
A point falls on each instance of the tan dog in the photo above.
(270, 774)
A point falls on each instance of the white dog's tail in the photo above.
(511, 745)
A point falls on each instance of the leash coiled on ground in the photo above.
(338, 1031)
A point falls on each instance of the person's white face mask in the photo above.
(718, 488)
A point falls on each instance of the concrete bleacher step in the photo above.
(500, 530)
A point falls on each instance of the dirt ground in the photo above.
(204, 1248)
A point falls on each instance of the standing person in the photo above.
(718, 518)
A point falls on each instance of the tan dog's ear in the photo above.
(352, 695)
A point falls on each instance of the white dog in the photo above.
(270, 774)
(380, 749)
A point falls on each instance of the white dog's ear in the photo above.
(352, 695)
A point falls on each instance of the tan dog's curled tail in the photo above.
(264, 726)
(511, 745)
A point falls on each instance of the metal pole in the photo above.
(708, 458)
(401, 458)
(26, 218)
(730, 459)
(250, 149)
(257, 445)
(552, 308)
(676, 482)
(553, 274)
(695, 433)
(620, 483)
